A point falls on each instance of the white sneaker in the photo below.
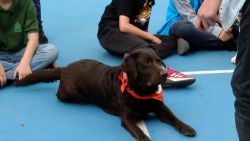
(233, 60)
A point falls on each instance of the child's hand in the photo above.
(3, 78)
(156, 40)
(22, 71)
(225, 36)
(208, 14)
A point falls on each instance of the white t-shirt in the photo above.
(229, 12)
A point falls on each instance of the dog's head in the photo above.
(144, 69)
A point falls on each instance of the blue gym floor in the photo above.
(33, 113)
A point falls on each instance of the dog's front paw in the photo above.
(186, 130)
(143, 139)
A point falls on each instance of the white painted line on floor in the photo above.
(208, 72)
(143, 127)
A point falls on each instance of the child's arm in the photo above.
(125, 26)
(23, 69)
(185, 10)
(208, 13)
(3, 78)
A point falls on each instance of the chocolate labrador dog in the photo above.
(131, 90)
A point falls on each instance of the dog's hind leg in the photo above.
(166, 116)
(69, 94)
(130, 124)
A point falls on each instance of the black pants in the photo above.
(119, 43)
(241, 77)
(198, 39)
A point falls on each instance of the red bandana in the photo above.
(124, 86)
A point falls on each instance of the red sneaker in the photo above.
(177, 79)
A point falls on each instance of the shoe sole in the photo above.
(170, 83)
(183, 46)
(53, 66)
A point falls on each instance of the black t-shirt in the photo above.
(138, 11)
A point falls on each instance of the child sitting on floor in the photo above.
(123, 28)
(180, 22)
(20, 53)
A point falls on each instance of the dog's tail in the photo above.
(47, 75)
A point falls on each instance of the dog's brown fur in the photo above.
(93, 82)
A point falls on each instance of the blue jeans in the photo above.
(241, 77)
(45, 55)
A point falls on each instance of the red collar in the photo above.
(124, 86)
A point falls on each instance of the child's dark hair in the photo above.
(140, 3)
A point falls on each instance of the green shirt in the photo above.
(15, 24)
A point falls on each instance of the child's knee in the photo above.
(50, 52)
(53, 52)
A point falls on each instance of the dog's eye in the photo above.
(158, 61)
(147, 63)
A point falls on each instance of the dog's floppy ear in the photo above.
(129, 65)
